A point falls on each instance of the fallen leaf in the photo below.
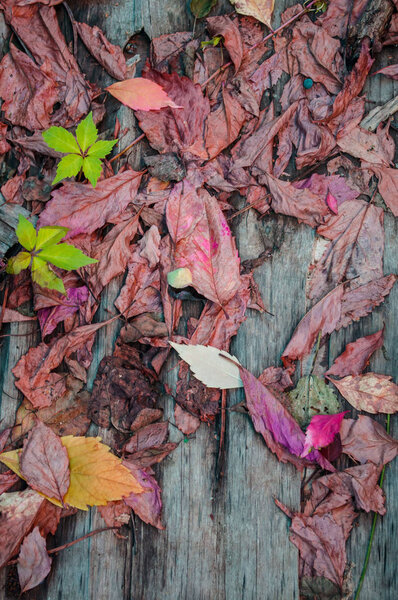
(321, 431)
(195, 397)
(7, 480)
(141, 94)
(201, 8)
(388, 186)
(389, 71)
(83, 209)
(366, 440)
(371, 392)
(148, 504)
(185, 422)
(310, 397)
(18, 511)
(143, 326)
(34, 564)
(259, 9)
(8, 315)
(44, 462)
(124, 394)
(209, 366)
(115, 514)
(374, 148)
(356, 355)
(149, 445)
(67, 306)
(232, 40)
(280, 431)
(111, 57)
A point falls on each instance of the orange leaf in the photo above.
(141, 94)
(96, 475)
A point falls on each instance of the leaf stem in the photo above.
(372, 531)
(140, 137)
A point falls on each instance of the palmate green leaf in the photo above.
(66, 257)
(92, 168)
(61, 140)
(101, 148)
(43, 276)
(26, 233)
(68, 166)
(86, 132)
(18, 263)
(201, 8)
(49, 236)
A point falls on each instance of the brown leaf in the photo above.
(34, 564)
(259, 9)
(7, 480)
(48, 518)
(196, 398)
(148, 446)
(143, 326)
(18, 511)
(356, 248)
(44, 462)
(356, 355)
(177, 130)
(34, 370)
(232, 40)
(371, 392)
(388, 186)
(224, 122)
(29, 92)
(124, 394)
(374, 148)
(366, 440)
(116, 513)
(185, 422)
(83, 209)
(4, 435)
(108, 55)
(336, 310)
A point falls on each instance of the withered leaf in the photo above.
(356, 355)
(44, 462)
(312, 397)
(371, 392)
(108, 55)
(148, 505)
(7, 480)
(34, 564)
(366, 440)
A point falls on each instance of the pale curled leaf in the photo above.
(209, 366)
(371, 392)
(259, 9)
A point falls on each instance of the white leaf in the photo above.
(209, 366)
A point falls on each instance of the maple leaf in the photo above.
(43, 247)
(321, 431)
(34, 564)
(259, 9)
(96, 475)
(141, 94)
(86, 151)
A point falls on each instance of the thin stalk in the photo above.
(372, 531)
(140, 137)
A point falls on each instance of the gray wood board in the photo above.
(227, 540)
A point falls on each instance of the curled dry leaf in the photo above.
(7, 480)
(366, 440)
(148, 504)
(209, 365)
(34, 564)
(111, 57)
(356, 355)
(311, 397)
(371, 392)
(259, 9)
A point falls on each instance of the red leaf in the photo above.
(321, 431)
(7, 480)
(111, 57)
(389, 71)
(141, 94)
(44, 462)
(366, 440)
(34, 564)
(371, 392)
(332, 203)
(148, 505)
(223, 26)
(356, 355)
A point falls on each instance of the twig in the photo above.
(69, 544)
(265, 39)
(140, 137)
(245, 208)
(372, 531)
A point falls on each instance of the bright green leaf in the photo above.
(18, 263)
(66, 257)
(42, 274)
(101, 148)
(49, 236)
(68, 166)
(61, 140)
(213, 42)
(201, 8)
(26, 233)
(86, 132)
(92, 168)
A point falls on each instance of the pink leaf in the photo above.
(331, 201)
(34, 564)
(141, 94)
(321, 431)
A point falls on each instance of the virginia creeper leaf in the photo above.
(68, 166)
(43, 276)
(49, 236)
(66, 257)
(101, 148)
(26, 233)
(61, 140)
(92, 168)
(86, 132)
(18, 263)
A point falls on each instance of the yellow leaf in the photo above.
(259, 9)
(96, 475)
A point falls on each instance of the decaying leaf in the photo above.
(356, 355)
(366, 440)
(209, 366)
(34, 564)
(259, 9)
(371, 392)
(311, 397)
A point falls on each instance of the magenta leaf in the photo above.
(321, 431)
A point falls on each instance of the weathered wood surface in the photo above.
(225, 541)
